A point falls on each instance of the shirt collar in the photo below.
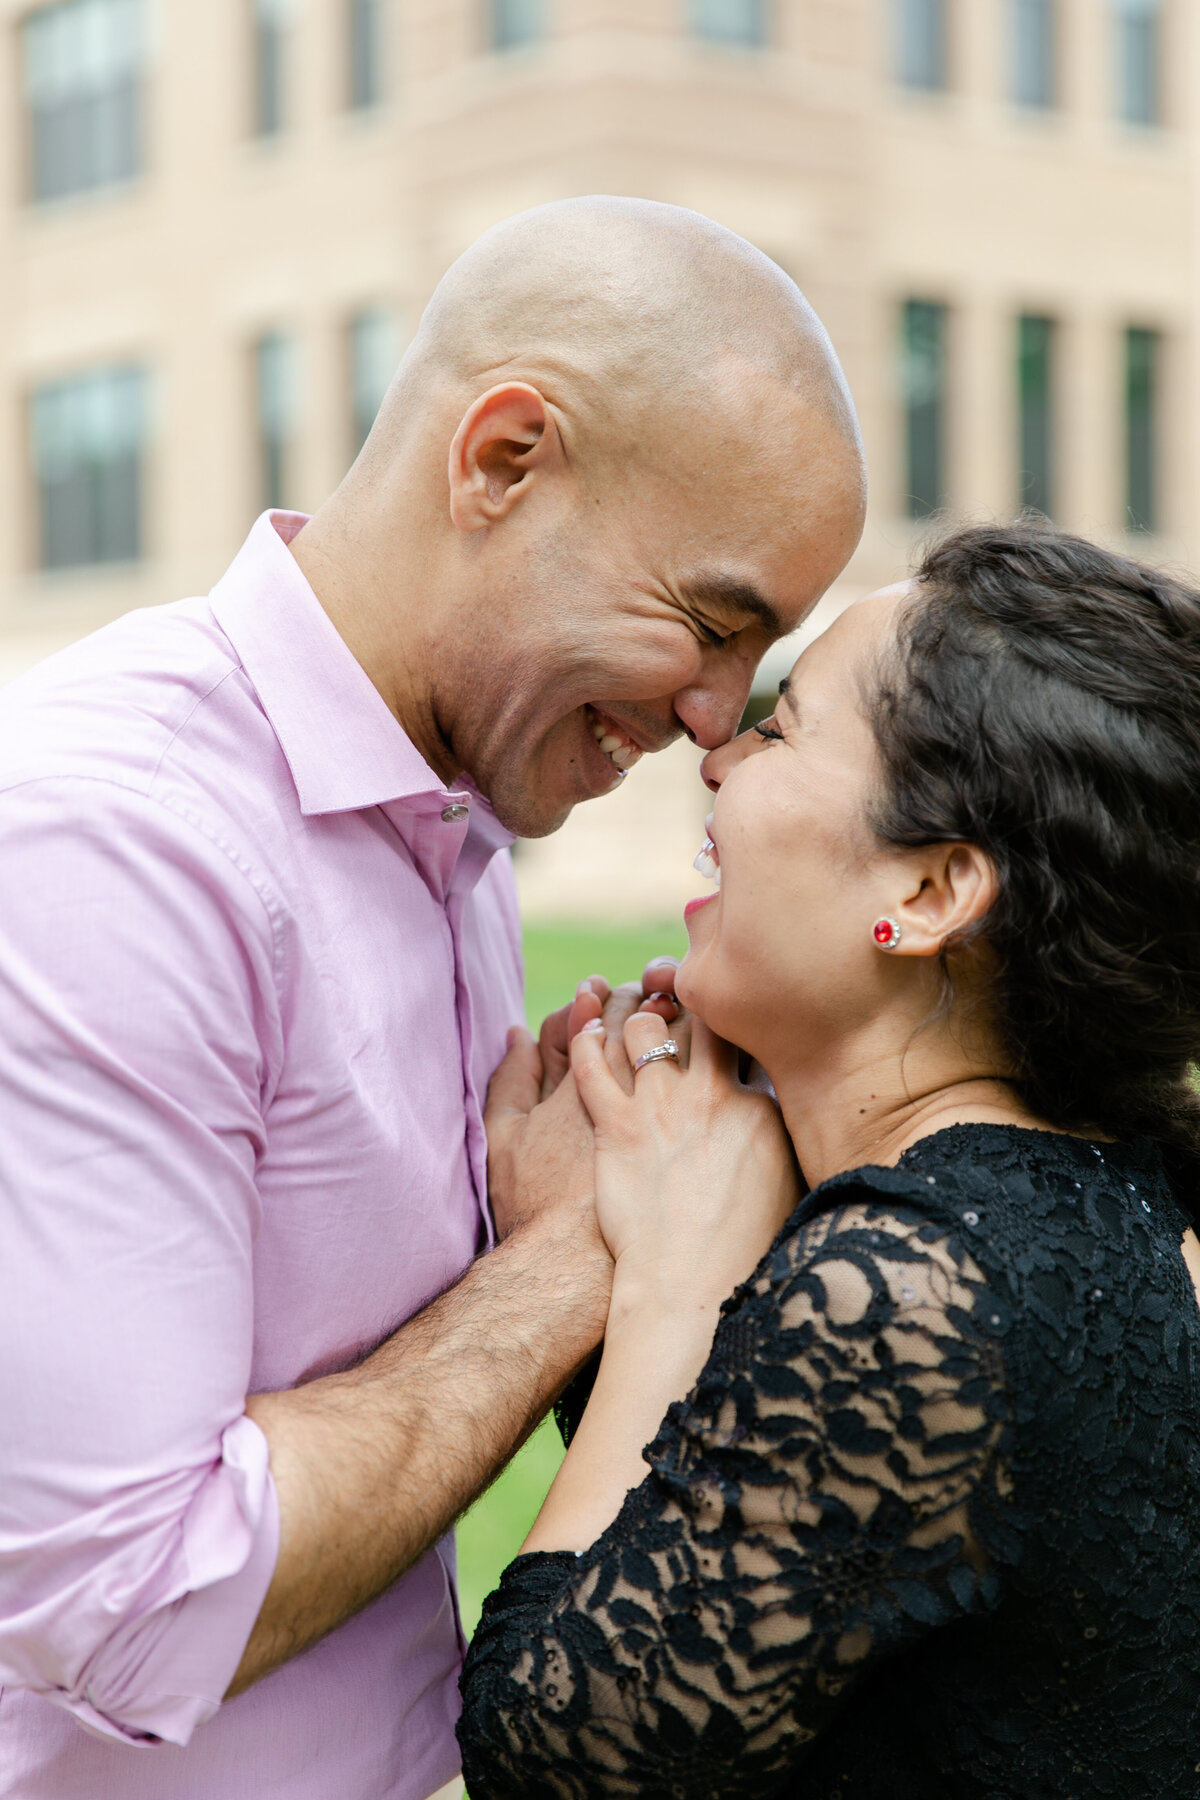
(345, 748)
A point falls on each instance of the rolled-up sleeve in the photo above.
(140, 1035)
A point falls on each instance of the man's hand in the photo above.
(540, 1151)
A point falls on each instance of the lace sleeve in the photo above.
(807, 1513)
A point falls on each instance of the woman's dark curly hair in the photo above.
(1043, 703)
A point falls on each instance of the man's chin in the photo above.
(530, 815)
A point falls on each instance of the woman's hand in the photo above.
(694, 1177)
(656, 995)
(695, 1173)
(539, 1134)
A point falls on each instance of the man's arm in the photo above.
(372, 1466)
(141, 1039)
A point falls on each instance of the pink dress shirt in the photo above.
(256, 966)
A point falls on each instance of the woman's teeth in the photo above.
(708, 860)
(618, 748)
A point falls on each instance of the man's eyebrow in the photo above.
(740, 597)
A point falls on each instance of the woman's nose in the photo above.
(719, 762)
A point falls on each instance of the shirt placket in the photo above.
(436, 829)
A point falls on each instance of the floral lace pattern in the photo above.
(929, 1523)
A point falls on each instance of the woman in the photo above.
(928, 1520)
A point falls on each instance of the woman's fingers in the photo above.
(646, 1032)
(658, 977)
(598, 1087)
(622, 1002)
(658, 987)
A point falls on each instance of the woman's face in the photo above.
(782, 959)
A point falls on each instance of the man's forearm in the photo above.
(372, 1466)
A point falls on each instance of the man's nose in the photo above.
(710, 712)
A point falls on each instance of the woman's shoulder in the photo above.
(1064, 1252)
(1009, 1188)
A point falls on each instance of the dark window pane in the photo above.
(1035, 394)
(514, 22)
(924, 381)
(1034, 45)
(88, 445)
(920, 27)
(1139, 53)
(1142, 357)
(82, 69)
(275, 403)
(270, 29)
(366, 52)
(730, 21)
(374, 352)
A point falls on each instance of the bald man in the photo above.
(259, 955)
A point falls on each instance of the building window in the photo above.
(365, 25)
(512, 23)
(275, 406)
(1034, 52)
(920, 27)
(1139, 58)
(1035, 408)
(270, 20)
(88, 448)
(82, 65)
(1143, 355)
(374, 352)
(730, 22)
(923, 368)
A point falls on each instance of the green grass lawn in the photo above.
(557, 957)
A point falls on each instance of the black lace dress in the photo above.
(928, 1526)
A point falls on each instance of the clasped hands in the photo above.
(673, 1182)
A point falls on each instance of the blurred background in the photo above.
(220, 219)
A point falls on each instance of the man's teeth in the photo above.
(619, 750)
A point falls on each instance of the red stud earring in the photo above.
(886, 933)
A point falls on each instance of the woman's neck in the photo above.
(873, 1110)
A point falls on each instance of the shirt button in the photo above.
(454, 815)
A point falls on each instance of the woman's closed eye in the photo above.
(767, 729)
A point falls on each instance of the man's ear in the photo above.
(950, 887)
(503, 439)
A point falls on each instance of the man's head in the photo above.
(618, 459)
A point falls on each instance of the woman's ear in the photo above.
(503, 438)
(951, 887)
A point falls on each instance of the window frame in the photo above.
(921, 46)
(1127, 17)
(1042, 93)
(366, 55)
(1143, 464)
(926, 419)
(505, 35)
(106, 114)
(87, 473)
(1037, 487)
(705, 26)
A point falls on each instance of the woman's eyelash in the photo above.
(767, 730)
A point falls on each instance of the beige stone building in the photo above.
(219, 220)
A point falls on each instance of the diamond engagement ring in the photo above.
(668, 1050)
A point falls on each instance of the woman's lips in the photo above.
(694, 906)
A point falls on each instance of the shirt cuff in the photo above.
(165, 1673)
